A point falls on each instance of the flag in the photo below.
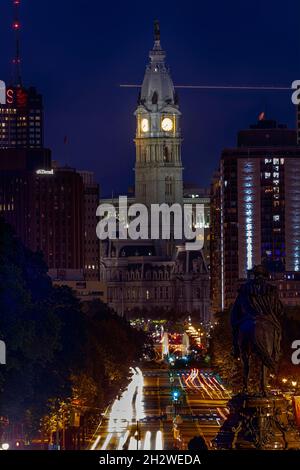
(261, 116)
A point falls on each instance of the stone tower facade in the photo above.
(158, 168)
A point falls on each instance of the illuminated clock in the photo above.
(145, 125)
(167, 124)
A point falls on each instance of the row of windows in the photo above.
(157, 293)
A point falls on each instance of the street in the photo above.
(148, 416)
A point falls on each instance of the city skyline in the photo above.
(149, 231)
(186, 43)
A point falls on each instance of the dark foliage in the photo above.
(55, 344)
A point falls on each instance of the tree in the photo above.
(61, 355)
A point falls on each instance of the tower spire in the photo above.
(17, 79)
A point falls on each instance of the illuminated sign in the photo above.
(2, 92)
(9, 96)
(45, 172)
(17, 97)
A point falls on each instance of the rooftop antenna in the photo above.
(16, 26)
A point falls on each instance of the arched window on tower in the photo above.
(155, 97)
(167, 154)
(169, 186)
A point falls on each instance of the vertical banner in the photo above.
(297, 410)
(2, 92)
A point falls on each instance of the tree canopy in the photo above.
(58, 350)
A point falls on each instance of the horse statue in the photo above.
(256, 325)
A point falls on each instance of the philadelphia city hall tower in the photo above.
(156, 278)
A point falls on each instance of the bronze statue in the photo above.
(156, 30)
(256, 325)
(257, 421)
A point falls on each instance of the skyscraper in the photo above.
(91, 241)
(51, 208)
(21, 119)
(256, 208)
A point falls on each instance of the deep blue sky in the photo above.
(77, 52)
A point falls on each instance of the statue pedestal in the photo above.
(258, 423)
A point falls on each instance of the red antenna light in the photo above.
(17, 80)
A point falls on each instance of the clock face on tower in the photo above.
(145, 125)
(167, 124)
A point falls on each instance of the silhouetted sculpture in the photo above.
(197, 443)
(257, 421)
(256, 325)
(156, 30)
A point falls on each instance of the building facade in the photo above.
(91, 241)
(255, 209)
(156, 277)
(46, 209)
(22, 119)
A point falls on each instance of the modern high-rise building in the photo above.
(21, 119)
(193, 194)
(21, 115)
(152, 277)
(52, 208)
(91, 241)
(46, 208)
(255, 209)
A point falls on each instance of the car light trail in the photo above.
(147, 442)
(106, 442)
(132, 444)
(123, 440)
(93, 447)
(221, 413)
(124, 413)
(159, 441)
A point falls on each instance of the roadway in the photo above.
(143, 416)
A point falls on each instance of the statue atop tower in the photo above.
(156, 30)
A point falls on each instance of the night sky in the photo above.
(77, 52)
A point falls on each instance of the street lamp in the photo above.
(137, 434)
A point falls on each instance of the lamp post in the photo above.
(137, 434)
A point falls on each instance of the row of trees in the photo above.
(61, 354)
